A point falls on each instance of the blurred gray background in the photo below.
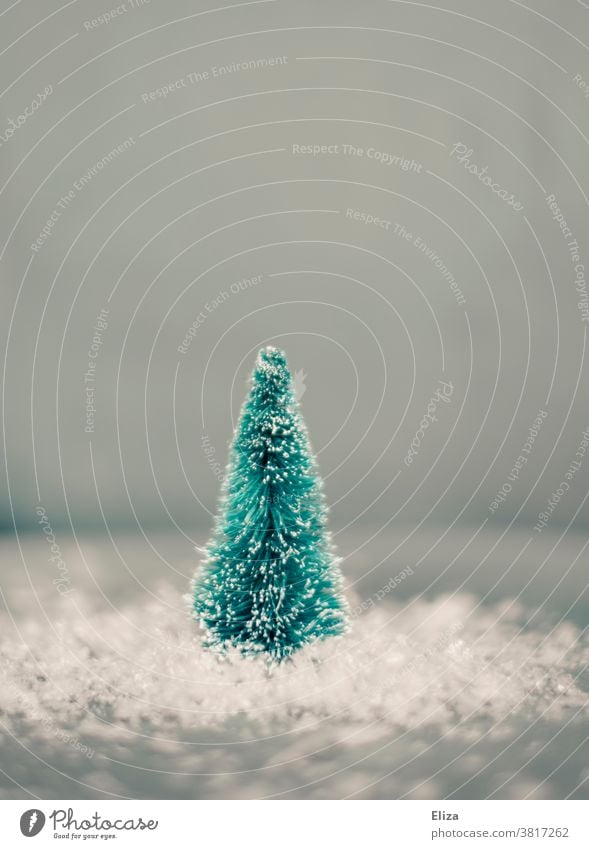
(210, 192)
(366, 185)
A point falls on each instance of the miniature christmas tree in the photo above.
(270, 581)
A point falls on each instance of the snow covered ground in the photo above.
(454, 687)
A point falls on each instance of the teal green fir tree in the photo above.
(270, 582)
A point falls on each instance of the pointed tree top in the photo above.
(271, 357)
(272, 370)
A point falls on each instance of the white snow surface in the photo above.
(422, 698)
